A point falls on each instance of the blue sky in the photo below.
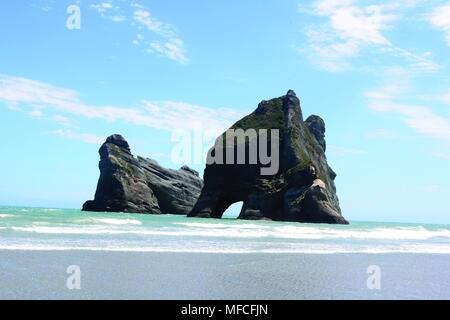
(377, 72)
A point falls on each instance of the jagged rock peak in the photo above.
(119, 141)
(291, 93)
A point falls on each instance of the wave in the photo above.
(414, 249)
(6, 215)
(115, 226)
(220, 225)
(118, 221)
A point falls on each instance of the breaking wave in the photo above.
(242, 231)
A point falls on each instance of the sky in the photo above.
(376, 71)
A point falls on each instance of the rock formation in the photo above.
(138, 185)
(302, 190)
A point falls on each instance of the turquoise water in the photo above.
(38, 229)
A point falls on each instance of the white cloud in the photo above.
(44, 5)
(145, 18)
(117, 18)
(165, 40)
(419, 118)
(361, 25)
(84, 137)
(168, 115)
(442, 96)
(440, 19)
(390, 97)
(397, 83)
(183, 116)
(343, 151)
(433, 188)
(382, 133)
(172, 49)
(442, 155)
(347, 28)
(171, 45)
(14, 107)
(65, 121)
(326, 7)
(102, 7)
(387, 91)
(108, 11)
(418, 63)
(36, 114)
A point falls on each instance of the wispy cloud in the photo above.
(172, 49)
(400, 96)
(440, 19)
(397, 83)
(442, 154)
(347, 28)
(44, 5)
(84, 137)
(344, 151)
(394, 97)
(109, 11)
(171, 45)
(102, 7)
(35, 113)
(157, 37)
(165, 115)
(433, 188)
(420, 118)
(440, 97)
(145, 18)
(65, 121)
(382, 133)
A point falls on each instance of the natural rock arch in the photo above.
(302, 190)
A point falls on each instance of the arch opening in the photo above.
(233, 210)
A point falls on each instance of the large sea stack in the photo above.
(303, 188)
(138, 185)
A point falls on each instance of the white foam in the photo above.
(68, 230)
(398, 233)
(414, 249)
(140, 231)
(118, 221)
(6, 215)
(220, 225)
(241, 231)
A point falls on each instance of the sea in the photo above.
(130, 256)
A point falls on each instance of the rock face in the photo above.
(138, 185)
(302, 190)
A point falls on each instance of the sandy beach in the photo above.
(127, 275)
